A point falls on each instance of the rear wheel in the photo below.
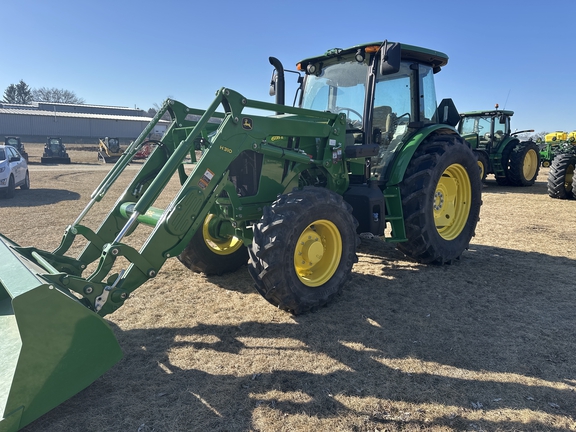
(206, 253)
(441, 198)
(303, 250)
(561, 177)
(524, 164)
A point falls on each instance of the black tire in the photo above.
(524, 164)
(561, 177)
(483, 164)
(279, 277)
(505, 180)
(213, 259)
(443, 170)
(11, 189)
(26, 184)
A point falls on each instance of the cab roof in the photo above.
(490, 113)
(409, 52)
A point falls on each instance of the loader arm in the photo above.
(248, 161)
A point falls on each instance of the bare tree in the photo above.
(44, 94)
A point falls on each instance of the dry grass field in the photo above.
(487, 343)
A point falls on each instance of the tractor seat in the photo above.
(383, 125)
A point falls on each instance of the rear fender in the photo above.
(512, 141)
(404, 156)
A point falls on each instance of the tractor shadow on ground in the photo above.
(39, 197)
(538, 188)
(483, 330)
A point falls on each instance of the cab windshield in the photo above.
(339, 87)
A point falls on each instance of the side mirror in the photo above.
(390, 60)
(502, 119)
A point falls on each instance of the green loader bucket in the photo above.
(51, 345)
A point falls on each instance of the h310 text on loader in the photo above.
(367, 148)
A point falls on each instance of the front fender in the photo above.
(407, 150)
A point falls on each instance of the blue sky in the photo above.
(520, 55)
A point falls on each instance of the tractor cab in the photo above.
(488, 129)
(386, 90)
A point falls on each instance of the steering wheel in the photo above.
(348, 112)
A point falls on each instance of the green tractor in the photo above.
(54, 152)
(560, 153)
(500, 152)
(17, 144)
(367, 150)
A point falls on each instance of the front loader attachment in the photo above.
(53, 341)
(51, 345)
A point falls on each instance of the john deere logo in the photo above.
(247, 123)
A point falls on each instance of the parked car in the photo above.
(13, 171)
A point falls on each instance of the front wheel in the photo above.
(206, 253)
(483, 164)
(441, 198)
(304, 248)
(561, 177)
(524, 164)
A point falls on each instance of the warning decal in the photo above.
(206, 178)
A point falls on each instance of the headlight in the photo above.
(2, 169)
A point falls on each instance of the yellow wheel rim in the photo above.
(317, 253)
(452, 202)
(530, 164)
(482, 169)
(568, 178)
(220, 246)
(545, 164)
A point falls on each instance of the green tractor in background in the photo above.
(500, 152)
(559, 153)
(367, 150)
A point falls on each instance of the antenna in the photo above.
(506, 99)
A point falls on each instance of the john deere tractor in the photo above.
(500, 151)
(560, 153)
(54, 152)
(367, 150)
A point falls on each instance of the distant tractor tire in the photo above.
(561, 177)
(211, 255)
(483, 164)
(441, 199)
(303, 250)
(524, 164)
(505, 179)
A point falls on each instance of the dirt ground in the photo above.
(486, 343)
